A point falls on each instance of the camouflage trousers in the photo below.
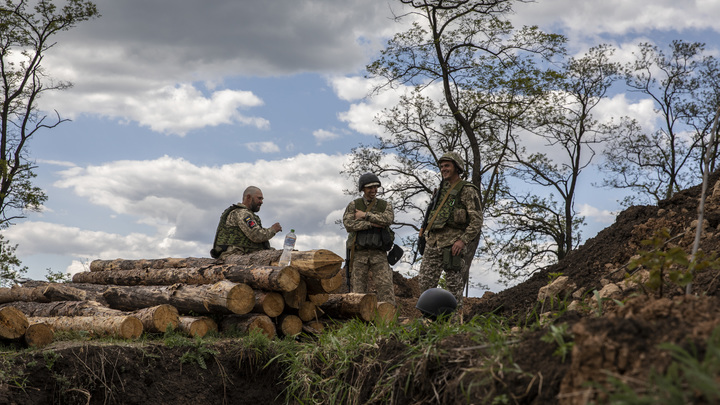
(432, 267)
(372, 263)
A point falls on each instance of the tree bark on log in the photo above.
(166, 263)
(258, 277)
(18, 293)
(318, 262)
(351, 305)
(126, 327)
(197, 326)
(65, 308)
(38, 335)
(13, 323)
(294, 298)
(246, 323)
(224, 297)
(269, 303)
(318, 299)
(289, 325)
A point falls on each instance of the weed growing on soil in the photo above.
(558, 334)
(198, 352)
(358, 362)
(691, 378)
(674, 262)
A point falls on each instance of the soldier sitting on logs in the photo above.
(240, 231)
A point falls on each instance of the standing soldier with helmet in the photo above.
(454, 222)
(367, 220)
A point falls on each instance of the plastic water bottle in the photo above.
(288, 246)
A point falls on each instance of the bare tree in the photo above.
(655, 164)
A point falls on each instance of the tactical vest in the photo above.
(226, 236)
(373, 238)
(453, 213)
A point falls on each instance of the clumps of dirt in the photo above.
(93, 373)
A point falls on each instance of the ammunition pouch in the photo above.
(374, 238)
(451, 262)
(216, 251)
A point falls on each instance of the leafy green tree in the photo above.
(488, 74)
(25, 36)
(11, 270)
(655, 164)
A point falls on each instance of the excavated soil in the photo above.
(619, 338)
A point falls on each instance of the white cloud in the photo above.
(264, 147)
(598, 215)
(323, 135)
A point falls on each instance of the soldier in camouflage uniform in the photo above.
(454, 225)
(367, 220)
(240, 230)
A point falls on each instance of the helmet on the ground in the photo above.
(436, 302)
(455, 158)
(367, 180)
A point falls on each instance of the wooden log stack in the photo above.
(197, 296)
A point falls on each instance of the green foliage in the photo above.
(10, 270)
(337, 367)
(670, 265)
(691, 378)
(558, 334)
(57, 276)
(198, 349)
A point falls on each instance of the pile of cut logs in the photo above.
(124, 298)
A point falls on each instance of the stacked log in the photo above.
(196, 296)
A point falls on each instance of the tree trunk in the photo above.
(269, 303)
(318, 299)
(294, 298)
(351, 305)
(260, 277)
(167, 263)
(289, 325)
(126, 327)
(197, 326)
(307, 311)
(325, 285)
(386, 311)
(17, 293)
(265, 277)
(157, 319)
(246, 323)
(13, 323)
(66, 308)
(224, 297)
(38, 335)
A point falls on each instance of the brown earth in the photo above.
(618, 338)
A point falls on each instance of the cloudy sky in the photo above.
(176, 109)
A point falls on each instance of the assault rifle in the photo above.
(421, 236)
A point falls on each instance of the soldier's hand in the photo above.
(276, 227)
(457, 247)
(359, 214)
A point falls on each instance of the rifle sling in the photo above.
(437, 210)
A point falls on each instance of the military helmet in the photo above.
(455, 158)
(367, 180)
(436, 302)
